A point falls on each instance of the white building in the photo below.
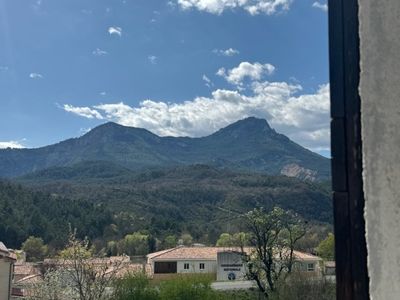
(225, 262)
(7, 260)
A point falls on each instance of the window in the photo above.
(310, 268)
(201, 266)
(186, 266)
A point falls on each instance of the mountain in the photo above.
(247, 145)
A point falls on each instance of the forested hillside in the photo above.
(24, 212)
(199, 199)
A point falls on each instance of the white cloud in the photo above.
(322, 6)
(11, 144)
(152, 59)
(227, 52)
(35, 76)
(302, 117)
(253, 7)
(246, 70)
(99, 52)
(4, 68)
(115, 30)
(207, 81)
(86, 112)
(103, 94)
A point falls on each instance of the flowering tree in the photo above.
(77, 274)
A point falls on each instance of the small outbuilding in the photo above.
(7, 260)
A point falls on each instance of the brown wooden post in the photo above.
(347, 184)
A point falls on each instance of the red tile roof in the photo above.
(209, 253)
(4, 252)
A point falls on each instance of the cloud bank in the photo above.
(83, 111)
(253, 7)
(304, 117)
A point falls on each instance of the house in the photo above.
(183, 259)
(7, 260)
(224, 262)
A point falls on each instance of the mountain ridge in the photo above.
(246, 145)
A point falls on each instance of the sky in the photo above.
(178, 68)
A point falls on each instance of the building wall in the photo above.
(230, 263)
(194, 266)
(5, 278)
(380, 110)
(303, 267)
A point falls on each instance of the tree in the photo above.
(170, 241)
(326, 248)
(112, 248)
(87, 275)
(136, 244)
(52, 287)
(273, 235)
(225, 240)
(35, 249)
(240, 239)
(186, 239)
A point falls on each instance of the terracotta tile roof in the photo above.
(126, 268)
(30, 279)
(96, 261)
(3, 248)
(201, 253)
(305, 256)
(209, 253)
(25, 269)
(158, 253)
(4, 252)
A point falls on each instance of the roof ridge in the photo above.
(167, 251)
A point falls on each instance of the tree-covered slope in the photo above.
(198, 198)
(247, 145)
(24, 212)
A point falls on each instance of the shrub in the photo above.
(301, 287)
(188, 287)
(134, 286)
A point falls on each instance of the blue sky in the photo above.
(180, 67)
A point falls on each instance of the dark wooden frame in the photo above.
(347, 184)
